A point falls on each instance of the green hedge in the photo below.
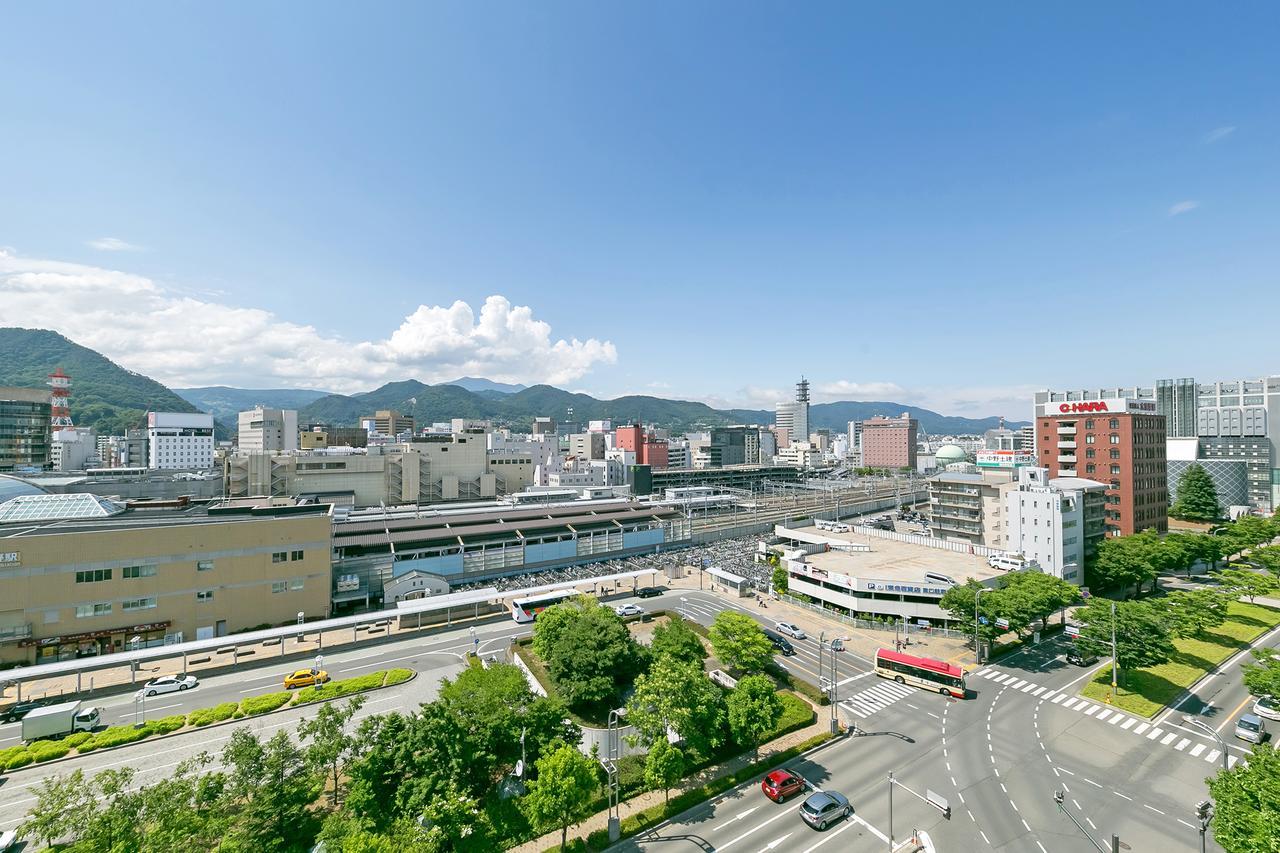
(19, 759)
(265, 704)
(76, 739)
(799, 685)
(336, 689)
(47, 750)
(165, 725)
(397, 676)
(115, 736)
(217, 713)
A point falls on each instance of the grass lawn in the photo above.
(1149, 690)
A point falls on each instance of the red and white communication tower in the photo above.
(59, 398)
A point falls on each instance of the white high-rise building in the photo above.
(794, 416)
(180, 440)
(268, 430)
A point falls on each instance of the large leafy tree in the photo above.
(754, 710)
(676, 639)
(958, 601)
(1246, 582)
(677, 696)
(563, 790)
(272, 786)
(1024, 597)
(1189, 613)
(1247, 803)
(1263, 677)
(588, 651)
(1141, 633)
(1197, 496)
(664, 766)
(739, 642)
(781, 580)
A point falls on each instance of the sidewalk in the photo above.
(648, 799)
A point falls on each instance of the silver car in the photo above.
(791, 630)
(824, 808)
(628, 610)
(1250, 727)
(168, 684)
(1267, 706)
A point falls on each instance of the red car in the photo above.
(780, 785)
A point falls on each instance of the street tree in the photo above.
(1142, 638)
(453, 820)
(739, 642)
(674, 638)
(663, 767)
(331, 743)
(1246, 802)
(273, 787)
(958, 601)
(1197, 496)
(1024, 597)
(1267, 556)
(754, 710)
(1189, 613)
(677, 696)
(398, 755)
(64, 805)
(1262, 678)
(1118, 563)
(562, 792)
(781, 580)
(1246, 582)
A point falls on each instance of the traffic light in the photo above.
(1057, 798)
(1204, 809)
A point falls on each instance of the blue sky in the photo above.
(940, 204)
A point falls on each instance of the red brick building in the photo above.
(1119, 442)
(889, 442)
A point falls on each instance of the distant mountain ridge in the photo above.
(111, 398)
(104, 395)
(482, 386)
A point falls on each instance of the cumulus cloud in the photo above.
(843, 389)
(181, 340)
(113, 244)
(1218, 134)
(1183, 207)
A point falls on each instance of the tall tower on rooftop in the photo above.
(792, 418)
(59, 399)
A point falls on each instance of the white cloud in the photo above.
(1183, 207)
(1218, 134)
(843, 389)
(183, 340)
(113, 244)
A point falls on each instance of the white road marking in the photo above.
(1129, 722)
(1197, 749)
(758, 827)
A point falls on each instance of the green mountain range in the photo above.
(104, 395)
(111, 398)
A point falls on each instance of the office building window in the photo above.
(279, 586)
(204, 595)
(1115, 469)
(296, 584)
(145, 571)
(280, 556)
(1089, 439)
(1115, 454)
(295, 555)
(1115, 439)
(1088, 454)
(204, 566)
(138, 604)
(102, 608)
(93, 576)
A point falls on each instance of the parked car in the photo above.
(791, 630)
(8, 838)
(781, 785)
(18, 710)
(825, 808)
(169, 684)
(305, 678)
(628, 610)
(780, 643)
(649, 592)
(1267, 706)
(1079, 658)
(1251, 727)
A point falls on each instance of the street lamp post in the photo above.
(938, 801)
(977, 649)
(612, 754)
(1192, 721)
(1204, 813)
(1113, 650)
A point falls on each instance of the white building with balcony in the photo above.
(1055, 523)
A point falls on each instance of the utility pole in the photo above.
(1113, 651)
(1204, 813)
(977, 649)
(1115, 839)
(938, 801)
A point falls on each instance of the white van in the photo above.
(1006, 562)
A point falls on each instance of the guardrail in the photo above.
(871, 624)
(928, 541)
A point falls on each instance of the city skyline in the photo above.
(580, 197)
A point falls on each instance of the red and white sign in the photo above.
(1085, 406)
(1111, 405)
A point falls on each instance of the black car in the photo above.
(780, 643)
(649, 592)
(18, 710)
(1079, 658)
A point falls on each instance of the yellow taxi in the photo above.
(305, 678)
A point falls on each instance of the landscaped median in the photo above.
(82, 743)
(1148, 691)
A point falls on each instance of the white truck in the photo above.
(53, 721)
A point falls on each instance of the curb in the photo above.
(186, 730)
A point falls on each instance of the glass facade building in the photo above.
(25, 433)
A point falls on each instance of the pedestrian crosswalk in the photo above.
(1103, 714)
(866, 702)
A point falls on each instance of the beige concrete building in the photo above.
(78, 587)
(387, 422)
(264, 430)
(429, 469)
(969, 507)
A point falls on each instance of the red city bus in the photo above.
(942, 677)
